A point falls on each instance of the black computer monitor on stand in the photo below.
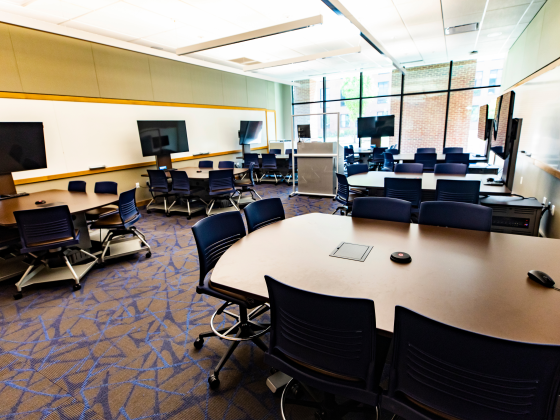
(304, 131)
(375, 128)
(249, 133)
(161, 139)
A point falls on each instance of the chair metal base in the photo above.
(342, 210)
(210, 205)
(247, 190)
(116, 244)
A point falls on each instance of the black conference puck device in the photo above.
(401, 257)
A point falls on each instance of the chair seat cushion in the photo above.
(227, 295)
(95, 214)
(113, 220)
(9, 236)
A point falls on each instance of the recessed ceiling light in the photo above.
(492, 35)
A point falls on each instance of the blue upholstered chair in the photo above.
(77, 186)
(447, 150)
(377, 157)
(361, 168)
(343, 195)
(450, 169)
(104, 187)
(426, 150)
(208, 164)
(429, 160)
(275, 151)
(214, 235)
(159, 188)
(408, 189)
(263, 213)
(269, 167)
(249, 158)
(463, 191)
(409, 168)
(226, 164)
(440, 371)
(47, 233)
(388, 163)
(182, 190)
(220, 186)
(121, 224)
(382, 208)
(456, 215)
(247, 184)
(328, 343)
(458, 158)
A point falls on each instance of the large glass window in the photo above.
(439, 103)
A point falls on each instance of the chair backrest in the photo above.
(394, 151)
(456, 215)
(180, 181)
(77, 186)
(382, 208)
(426, 150)
(389, 161)
(350, 159)
(457, 158)
(290, 165)
(275, 151)
(330, 333)
(462, 191)
(288, 151)
(408, 189)
(249, 158)
(452, 150)
(158, 180)
(429, 160)
(471, 376)
(409, 168)
(378, 153)
(214, 235)
(106, 187)
(351, 147)
(226, 164)
(49, 224)
(205, 164)
(221, 180)
(268, 160)
(348, 151)
(263, 213)
(342, 190)
(357, 169)
(450, 169)
(127, 206)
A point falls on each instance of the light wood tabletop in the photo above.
(470, 279)
(202, 173)
(77, 202)
(409, 157)
(376, 179)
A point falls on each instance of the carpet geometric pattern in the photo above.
(121, 347)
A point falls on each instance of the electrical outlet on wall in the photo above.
(521, 180)
(544, 201)
(137, 185)
(552, 210)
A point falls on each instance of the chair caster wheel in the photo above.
(148, 254)
(77, 287)
(214, 382)
(296, 391)
(320, 415)
(198, 343)
(188, 217)
(18, 296)
(149, 211)
(273, 371)
(100, 264)
(168, 215)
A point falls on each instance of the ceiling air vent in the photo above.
(453, 30)
(245, 61)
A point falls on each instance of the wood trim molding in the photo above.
(545, 69)
(551, 170)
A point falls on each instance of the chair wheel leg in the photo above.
(198, 343)
(18, 296)
(168, 214)
(77, 287)
(148, 254)
(149, 211)
(214, 381)
(188, 217)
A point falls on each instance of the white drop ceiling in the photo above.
(411, 30)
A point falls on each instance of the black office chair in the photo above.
(182, 190)
(327, 343)
(208, 164)
(275, 151)
(388, 163)
(343, 195)
(382, 208)
(269, 167)
(77, 186)
(249, 158)
(361, 168)
(288, 151)
(246, 185)
(393, 150)
(122, 224)
(46, 234)
(220, 187)
(426, 150)
(456, 215)
(447, 150)
(291, 167)
(103, 187)
(458, 158)
(263, 213)
(408, 189)
(225, 164)
(159, 188)
(442, 372)
(429, 160)
(377, 157)
(409, 168)
(461, 191)
(213, 236)
(450, 169)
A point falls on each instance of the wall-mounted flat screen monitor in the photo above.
(380, 126)
(501, 130)
(250, 132)
(22, 147)
(159, 138)
(483, 122)
(304, 131)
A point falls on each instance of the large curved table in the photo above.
(472, 280)
(202, 173)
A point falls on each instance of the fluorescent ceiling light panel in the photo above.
(453, 30)
(247, 36)
(312, 57)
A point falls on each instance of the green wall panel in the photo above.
(531, 48)
(171, 80)
(549, 47)
(207, 86)
(256, 93)
(9, 76)
(122, 74)
(270, 95)
(54, 64)
(235, 89)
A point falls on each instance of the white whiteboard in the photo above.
(80, 135)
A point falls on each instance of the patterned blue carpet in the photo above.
(121, 347)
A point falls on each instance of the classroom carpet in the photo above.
(121, 347)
